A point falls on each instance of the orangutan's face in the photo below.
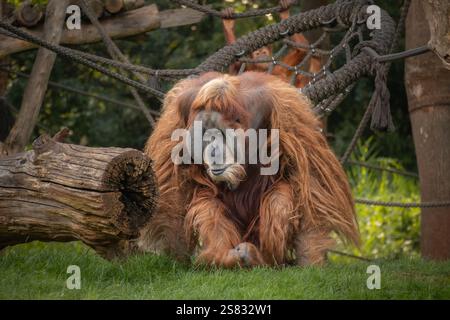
(228, 124)
(262, 53)
(222, 149)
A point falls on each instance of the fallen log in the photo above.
(122, 25)
(65, 192)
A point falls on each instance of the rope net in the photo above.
(344, 20)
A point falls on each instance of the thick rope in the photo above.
(381, 116)
(349, 255)
(80, 92)
(358, 133)
(69, 54)
(322, 89)
(379, 168)
(435, 204)
(379, 108)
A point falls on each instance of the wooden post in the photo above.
(63, 192)
(37, 85)
(428, 89)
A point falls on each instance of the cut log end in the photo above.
(132, 174)
(65, 192)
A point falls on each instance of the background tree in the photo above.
(428, 87)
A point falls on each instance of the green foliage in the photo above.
(386, 232)
(18, 2)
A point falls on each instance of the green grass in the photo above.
(38, 271)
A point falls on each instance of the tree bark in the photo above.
(37, 85)
(126, 24)
(64, 192)
(438, 16)
(428, 89)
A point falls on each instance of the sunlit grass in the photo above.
(38, 271)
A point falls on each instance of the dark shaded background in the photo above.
(98, 123)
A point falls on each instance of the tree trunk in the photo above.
(63, 192)
(37, 85)
(428, 89)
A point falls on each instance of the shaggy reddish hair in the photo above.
(267, 220)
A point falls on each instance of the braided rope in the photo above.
(80, 59)
(170, 74)
(380, 168)
(435, 204)
(79, 91)
(326, 87)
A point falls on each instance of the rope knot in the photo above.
(379, 104)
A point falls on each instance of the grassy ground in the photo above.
(38, 271)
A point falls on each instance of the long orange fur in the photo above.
(285, 218)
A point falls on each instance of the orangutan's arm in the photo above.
(230, 36)
(277, 222)
(217, 234)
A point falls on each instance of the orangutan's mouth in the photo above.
(218, 171)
